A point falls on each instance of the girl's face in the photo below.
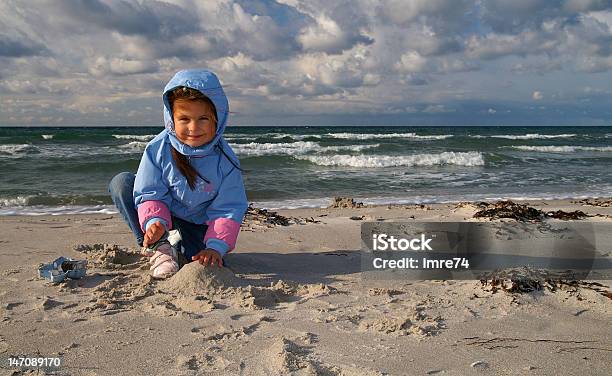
(194, 122)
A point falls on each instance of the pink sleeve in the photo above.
(223, 229)
(151, 209)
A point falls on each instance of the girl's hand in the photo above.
(153, 234)
(208, 256)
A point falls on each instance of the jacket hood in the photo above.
(208, 84)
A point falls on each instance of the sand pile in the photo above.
(195, 279)
(254, 297)
(258, 297)
(287, 289)
(414, 321)
(110, 256)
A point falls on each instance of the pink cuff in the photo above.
(153, 208)
(224, 229)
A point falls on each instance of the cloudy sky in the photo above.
(295, 62)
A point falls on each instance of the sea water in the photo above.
(48, 170)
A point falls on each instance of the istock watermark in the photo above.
(384, 242)
(477, 250)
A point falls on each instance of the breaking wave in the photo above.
(471, 158)
(254, 149)
(563, 149)
(532, 136)
(137, 137)
(17, 150)
(369, 136)
(134, 146)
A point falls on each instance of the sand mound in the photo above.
(110, 256)
(254, 297)
(195, 279)
(285, 357)
(416, 322)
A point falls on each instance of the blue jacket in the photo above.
(219, 199)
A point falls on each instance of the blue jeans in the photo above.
(121, 189)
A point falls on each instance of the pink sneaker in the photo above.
(164, 262)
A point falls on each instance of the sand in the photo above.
(291, 302)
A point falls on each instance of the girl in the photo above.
(189, 179)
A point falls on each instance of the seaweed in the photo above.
(522, 212)
(345, 202)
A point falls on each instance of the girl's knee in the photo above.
(121, 181)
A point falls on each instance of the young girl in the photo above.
(189, 179)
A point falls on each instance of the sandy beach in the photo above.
(292, 301)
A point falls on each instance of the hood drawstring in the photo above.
(227, 156)
(197, 172)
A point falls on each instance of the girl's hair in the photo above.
(188, 94)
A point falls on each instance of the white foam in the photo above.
(563, 149)
(137, 137)
(349, 147)
(471, 158)
(441, 198)
(297, 137)
(295, 203)
(534, 136)
(17, 150)
(254, 149)
(369, 136)
(48, 136)
(17, 201)
(57, 210)
(289, 148)
(67, 150)
(134, 146)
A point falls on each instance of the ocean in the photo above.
(66, 170)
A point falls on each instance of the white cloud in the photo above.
(315, 56)
(101, 66)
(537, 95)
(325, 36)
(437, 109)
(411, 62)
